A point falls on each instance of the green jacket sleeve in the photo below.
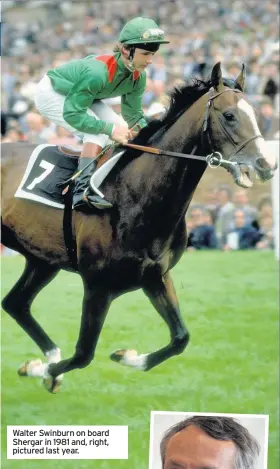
(131, 104)
(79, 99)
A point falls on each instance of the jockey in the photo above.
(71, 96)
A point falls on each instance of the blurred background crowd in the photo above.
(39, 35)
(228, 221)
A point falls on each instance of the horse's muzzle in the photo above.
(243, 172)
(265, 170)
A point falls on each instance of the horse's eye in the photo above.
(229, 116)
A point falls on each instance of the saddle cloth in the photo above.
(48, 167)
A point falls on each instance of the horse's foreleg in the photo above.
(95, 306)
(161, 292)
(18, 301)
(17, 304)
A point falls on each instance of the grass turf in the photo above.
(230, 305)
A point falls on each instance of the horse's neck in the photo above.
(186, 130)
(174, 177)
(163, 186)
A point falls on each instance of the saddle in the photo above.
(69, 150)
(50, 166)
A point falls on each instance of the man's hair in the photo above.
(224, 429)
(118, 47)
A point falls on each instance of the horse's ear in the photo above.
(216, 77)
(240, 80)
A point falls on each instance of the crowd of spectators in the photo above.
(46, 34)
(201, 33)
(229, 222)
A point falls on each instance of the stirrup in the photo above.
(95, 200)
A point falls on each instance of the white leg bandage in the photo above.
(54, 355)
(135, 361)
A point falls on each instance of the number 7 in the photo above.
(48, 169)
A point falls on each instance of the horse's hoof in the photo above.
(22, 371)
(119, 355)
(32, 368)
(130, 358)
(52, 384)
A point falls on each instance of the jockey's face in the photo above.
(142, 58)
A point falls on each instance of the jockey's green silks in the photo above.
(98, 77)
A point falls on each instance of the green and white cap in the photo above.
(142, 31)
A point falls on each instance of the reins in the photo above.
(214, 159)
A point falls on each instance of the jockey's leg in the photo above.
(50, 104)
(83, 196)
(93, 145)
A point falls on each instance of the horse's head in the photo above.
(231, 128)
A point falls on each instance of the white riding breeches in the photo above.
(50, 105)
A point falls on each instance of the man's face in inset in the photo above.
(192, 448)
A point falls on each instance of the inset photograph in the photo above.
(180, 440)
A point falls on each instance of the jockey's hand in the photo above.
(134, 131)
(133, 134)
(121, 134)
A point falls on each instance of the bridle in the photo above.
(214, 159)
(205, 131)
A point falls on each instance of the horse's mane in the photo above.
(181, 99)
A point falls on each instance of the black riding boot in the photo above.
(83, 197)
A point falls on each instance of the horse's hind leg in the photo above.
(17, 304)
(161, 292)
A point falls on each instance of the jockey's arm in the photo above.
(77, 102)
(131, 104)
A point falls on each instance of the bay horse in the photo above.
(136, 243)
